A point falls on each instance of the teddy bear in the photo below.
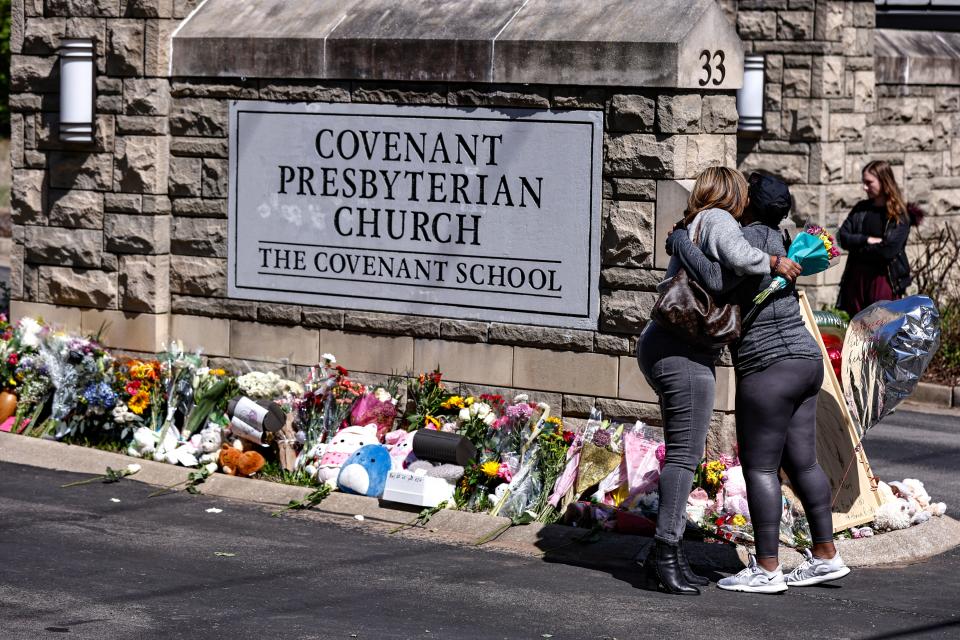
(144, 443)
(236, 462)
(892, 516)
(209, 441)
(400, 443)
(735, 491)
(365, 471)
(343, 444)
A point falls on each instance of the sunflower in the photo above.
(430, 420)
(139, 402)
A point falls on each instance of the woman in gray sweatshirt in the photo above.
(683, 375)
(779, 370)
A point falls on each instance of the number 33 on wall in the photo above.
(713, 67)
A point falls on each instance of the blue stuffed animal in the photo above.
(365, 471)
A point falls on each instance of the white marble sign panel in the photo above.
(484, 214)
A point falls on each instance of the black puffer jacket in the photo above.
(889, 256)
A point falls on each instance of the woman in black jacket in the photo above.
(875, 236)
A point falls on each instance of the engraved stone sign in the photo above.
(486, 214)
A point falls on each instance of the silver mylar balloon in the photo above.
(886, 350)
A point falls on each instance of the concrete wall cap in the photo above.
(917, 57)
(684, 44)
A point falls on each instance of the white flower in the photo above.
(122, 414)
(383, 395)
(132, 468)
(30, 332)
(329, 358)
(480, 409)
(464, 414)
(490, 418)
(521, 398)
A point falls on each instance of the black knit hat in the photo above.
(769, 198)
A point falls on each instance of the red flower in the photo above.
(569, 436)
(435, 377)
(133, 387)
(14, 358)
(343, 372)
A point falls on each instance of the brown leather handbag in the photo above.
(686, 309)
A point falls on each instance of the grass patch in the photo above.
(273, 472)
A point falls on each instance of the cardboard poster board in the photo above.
(855, 495)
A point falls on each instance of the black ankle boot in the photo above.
(687, 571)
(663, 571)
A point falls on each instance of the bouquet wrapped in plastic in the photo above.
(812, 250)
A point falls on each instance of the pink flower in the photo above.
(504, 473)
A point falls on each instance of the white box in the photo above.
(410, 488)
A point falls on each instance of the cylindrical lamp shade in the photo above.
(76, 90)
(750, 97)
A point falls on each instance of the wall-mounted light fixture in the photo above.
(750, 97)
(76, 90)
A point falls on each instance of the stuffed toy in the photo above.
(892, 516)
(449, 472)
(341, 447)
(309, 459)
(235, 462)
(400, 443)
(365, 471)
(144, 443)
(209, 441)
(735, 491)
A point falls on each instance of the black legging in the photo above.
(777, 426)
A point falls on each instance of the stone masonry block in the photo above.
(182, 8)
(83, 209)
(804, 119)
(146, 96)
(17, 26)
(27, 197)
(43, 35)
(390, 94)
(370, 353)
(214, 307)
(632, 113)
(641, 155)
(214, 178)
(626, 311)
(392, 324)
(827, 162)
(122, 202)
(63, 247)
(156, 55)
(906, 110)
(125, 43)
(200, 207)
(214, 88)
(627, 238)
(147, 332)
(144, 283)
(864, 91)
(75, 8)
(276, 313)
(184, 178)
(827, 77)
(464, 362)
(613, 345)
(124, 233)
(923, 164)
(720, 114)
(198, 276)
(847, 126)
(34, 74)
(792, 168)
(591, 374)
(195, 146)
(796, 83)
(523, 335)
(679, 113)
(706, 150)
(149, 8)
(795, 25)
(631, 279)
(463, 330)
(141, 164)
(199, 237)
(757, 25)
(634, 189)
(143, 125)
(829, 20)
(212, 335)
(205, 117)
(78, 287)
(322, 318)
(311, 91)
(257, 341)
(947, 99)
(905, 137)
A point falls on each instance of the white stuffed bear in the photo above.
(211, 437)
(892, 516)
(144, 443)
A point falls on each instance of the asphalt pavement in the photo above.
(105, 561)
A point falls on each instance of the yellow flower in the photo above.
(469, 400)
(431, 420)
(555, 421)
(738, 520)
(218, 372)
(451, 402)
(139, 402)
(490, 468)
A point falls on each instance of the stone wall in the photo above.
(819, 99)
(131, 230)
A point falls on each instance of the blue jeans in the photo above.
(683, 377)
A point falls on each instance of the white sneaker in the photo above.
(817, 570)
(755, 579)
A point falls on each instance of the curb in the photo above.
(936, 395)
(552, 543)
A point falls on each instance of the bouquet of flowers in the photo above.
(812, 250)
